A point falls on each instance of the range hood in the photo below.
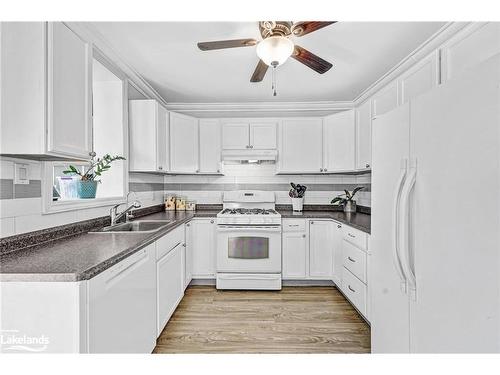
(249, 155)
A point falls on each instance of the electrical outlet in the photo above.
(21, 173)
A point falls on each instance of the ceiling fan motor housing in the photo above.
(275, 28)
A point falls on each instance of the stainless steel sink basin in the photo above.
(137, 226)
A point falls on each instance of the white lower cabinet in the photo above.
(337, 255)
(294, 255)
(321, 249)
(355, 290)
(170, 285)
(122, 306)
(188, 255)
(201, 244)
(309, 248)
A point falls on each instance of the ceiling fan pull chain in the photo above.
(274, 79)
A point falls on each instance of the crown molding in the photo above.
(261, 107)
(90, 34)
(430, 45)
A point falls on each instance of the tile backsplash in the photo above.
(21, 205)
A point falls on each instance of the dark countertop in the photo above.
(356, 220)
(82, 256)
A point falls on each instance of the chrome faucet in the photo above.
(115, 216)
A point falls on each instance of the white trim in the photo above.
(430, 45)
(262, 107)
(92, 35)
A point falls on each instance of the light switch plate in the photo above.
(21, 173)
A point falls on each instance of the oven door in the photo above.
(248, 249)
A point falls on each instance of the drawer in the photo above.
(355, 236)
(293, 225)
(354, 260)
(354, 290)
(169, 241)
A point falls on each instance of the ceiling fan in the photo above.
(276, 47)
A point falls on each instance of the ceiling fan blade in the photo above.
(259, 72)
(311, 60)
(306, 27)
(220, 44)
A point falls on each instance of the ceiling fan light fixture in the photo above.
(275, 50)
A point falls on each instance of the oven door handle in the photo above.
(221, 228)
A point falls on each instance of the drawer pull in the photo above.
(352, 260)
(351, 235)
(293, 225)
(352, 290)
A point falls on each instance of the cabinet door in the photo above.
(162, 139)
(183, 143)
(69, 88)
(364, 135)
(386, 99)
(235, 136)
(143, 135)
(263, 135)
(294, 253)
(188, 244)
(337, 254)
(203, 245)
(170, 285)
(210, 150)
(339, 138)
(320, 249)
(420, 78)
(301, 145)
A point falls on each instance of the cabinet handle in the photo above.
(188, 225)
(352, 260)
(312, 222)
(247, 146)
(160, 167)
(197, 171)
(351, 235)
(218, 170)
(293, 225)
(211, 221)
(352, 290)
(321, 169)
(324, 170)
(303, 236)
(339, 226)
(367, 165)
(183, 245)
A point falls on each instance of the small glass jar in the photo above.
(170, 203)
(180, 204)
(191, 206)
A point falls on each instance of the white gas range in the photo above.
(249, 241)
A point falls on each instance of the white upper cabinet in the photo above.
(249, 134)
(386, 99)
(46, 90)
(263, 135)
(339, 142)
(300, 145)
(183, 144)
(364, 136)
(148, 136)
(235, 135)
(420, 78)
(210, 150)
(471, 46)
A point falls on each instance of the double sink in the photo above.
(139, 226)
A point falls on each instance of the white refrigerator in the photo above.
(435, 237)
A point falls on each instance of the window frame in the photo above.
(48, 205)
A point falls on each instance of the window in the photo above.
(62, 191)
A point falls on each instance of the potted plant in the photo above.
(296, 194)
(347, 200)
(87, 185)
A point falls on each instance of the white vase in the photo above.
(297, 204)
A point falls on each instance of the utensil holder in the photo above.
(297, 204)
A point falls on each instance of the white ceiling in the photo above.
(166, 55)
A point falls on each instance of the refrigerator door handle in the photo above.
(395, 223)
(404, 238)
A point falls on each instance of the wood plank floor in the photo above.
(293, 320)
